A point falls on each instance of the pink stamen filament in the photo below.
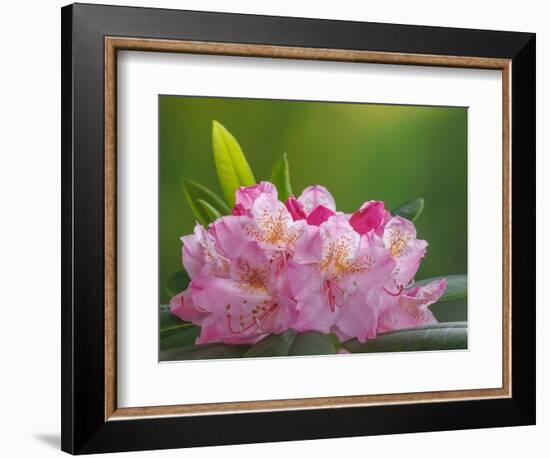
(281, 263)
(255, 320)
(400, 290)
(228, 316)
(329, 286)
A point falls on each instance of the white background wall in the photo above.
(30, 226)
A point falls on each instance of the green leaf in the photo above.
(291, 343)
(442, 336)
(181, 336)
(169, 321)
(312, 343)
(280, 177)
(195, 192)
(410, 210)
(212, 213)
(273, 345)
(457, 286)
(231, 164)
(177, 283)
(204, 351)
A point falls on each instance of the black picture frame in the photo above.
(84, 427)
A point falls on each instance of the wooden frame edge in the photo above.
(110, 200)
(112, 45)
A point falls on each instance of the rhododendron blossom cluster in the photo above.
(271, 266)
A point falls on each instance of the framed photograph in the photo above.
(281, 228)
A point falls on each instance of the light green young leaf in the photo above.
(410, 210)
(194, 192)
(280, 177)
(231, 164)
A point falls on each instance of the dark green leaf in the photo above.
(291, 343)
(179, 336)
(204, 351)
(280, 177)
(312, 343)
(169, 321)
(442, 336)
(273, 345)
(231, 164)
(194, 192)
(212, 213)
(410, 210)
(177, 282)
(457, 286)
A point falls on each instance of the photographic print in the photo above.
(296, 228)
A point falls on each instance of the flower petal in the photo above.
(314, 312)
(371, 216)
(359, 316)
(412, 308)
(316, 195)
(295, 208)
(215, 294)
(192, 255)
(182, 306)
(319, 215)
(400, 239)
(245, 196)
(309, 246)
(408, 265)
(272, 223)
(216, 328)
(230, 236)
(398, 232)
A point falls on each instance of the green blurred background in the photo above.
(359, 152)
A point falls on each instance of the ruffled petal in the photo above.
(192, 255)
(182, 306)
(230, 236)
(400, 239)
(412, 308)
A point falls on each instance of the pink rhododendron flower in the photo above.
(333, 269)
(244, 306)
(272, 266)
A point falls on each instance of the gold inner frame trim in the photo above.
(114, 44)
